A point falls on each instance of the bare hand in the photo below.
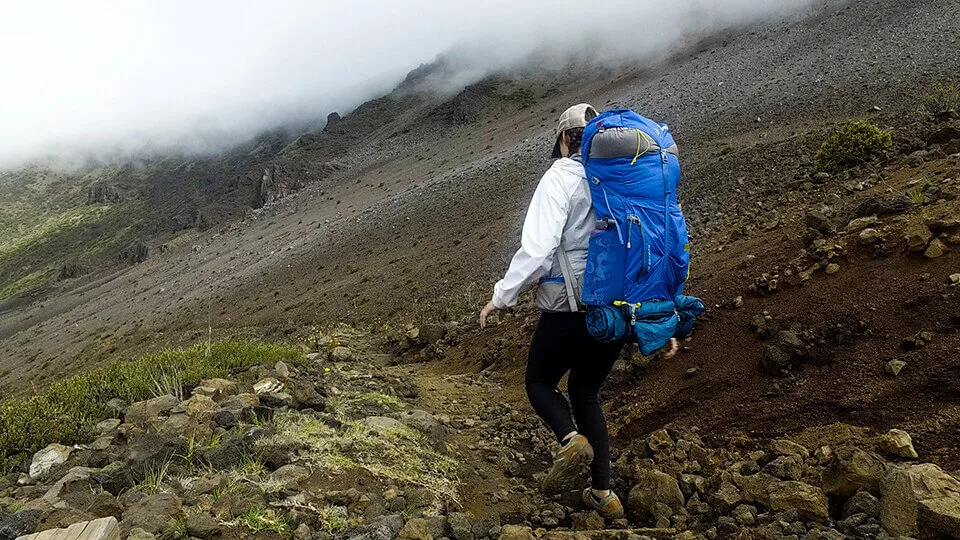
(671, 350)
(485, 312)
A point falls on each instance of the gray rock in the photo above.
(153, 450)
(852, 469)
(586, 521)
(785, 467)
(862, 502)
(860, 224)
(775, 360)
(24, 522)
(148, 412)
(894, 367)
(155, 514)
(920, 499)
(432, 333)
(342, 354)
(654, 487)
(785, 447)
(290, 476)
(416, 529)
(426, 423)
(917, 236)
(936, 249)
(46, 459)
(107, 426)
(810, 501)
(819, 222)
(460, 526)
(139, 534)
(870, 236)
(202, 525)
(659, 441)
(898, 443)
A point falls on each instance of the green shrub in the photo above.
(942, 97)
(69, 409)
(854, 143)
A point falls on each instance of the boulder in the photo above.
(586, 521)
(659, 441)
(155, 514)
(917, 236)
(920, 500)
(852, 469)
(898, 443)
(785, 447)
(653, 487)
(46, 459)
(727, 496)
(16, 524)
(936, 249)
(224, 387)
(810, 501)
(785, 467)
(342, 354)
(416, 529)
(153, 450)
(202, 525)
(775, 360)
(148, 412)
(870, 236)
(459, 526)
(200, 407)
(268, 385)
(819, 222)
(425, 423)
(432, 333)
(860, 224)
(516, 532)
(241, 404)
(862, 503)
(290, 476)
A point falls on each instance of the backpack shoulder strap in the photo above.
(570, 281)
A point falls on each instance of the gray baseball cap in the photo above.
(575, 117)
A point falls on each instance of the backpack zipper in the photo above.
(666, 199)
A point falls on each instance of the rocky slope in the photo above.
(339, 446)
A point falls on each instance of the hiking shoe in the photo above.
(608, 507)
(568, 464)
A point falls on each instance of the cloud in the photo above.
(140, 77)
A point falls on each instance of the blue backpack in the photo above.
(639, 254)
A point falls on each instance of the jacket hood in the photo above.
(569, 165)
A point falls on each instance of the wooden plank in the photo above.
(99, 529)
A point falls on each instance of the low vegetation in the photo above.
(854, 143)
(942, 97)
(69, 409)
(399, 453)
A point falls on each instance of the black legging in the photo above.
(560, 344)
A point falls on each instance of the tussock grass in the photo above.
(68, 410)
(400, 453)
(259, 520)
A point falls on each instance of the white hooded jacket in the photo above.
(560, 216)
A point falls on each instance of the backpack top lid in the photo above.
(622, 133)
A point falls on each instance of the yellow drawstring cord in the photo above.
(639, 146)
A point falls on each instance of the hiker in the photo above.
(556, 233)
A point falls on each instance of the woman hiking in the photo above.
(556, 233)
